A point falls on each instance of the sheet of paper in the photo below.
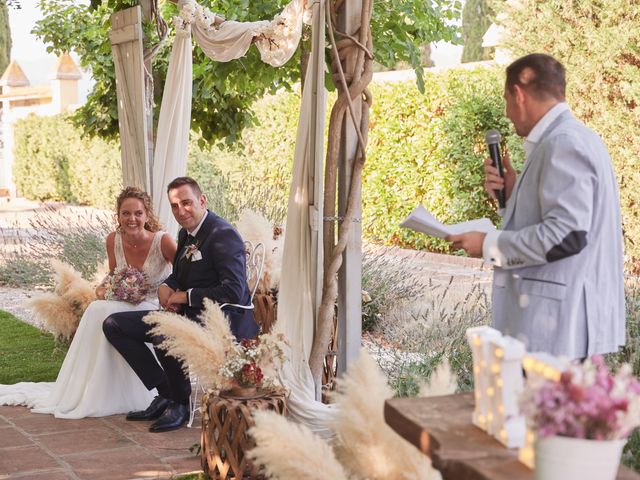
(422, 221)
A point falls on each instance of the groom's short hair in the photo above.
(180, 181)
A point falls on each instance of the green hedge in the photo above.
(430, 149)
(54, 162)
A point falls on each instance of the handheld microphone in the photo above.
(493, 142)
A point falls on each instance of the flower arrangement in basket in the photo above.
(588, 413)
(210, 351)
(127, 285)
(247, 361)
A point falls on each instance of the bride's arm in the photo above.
(111, 255)
(168, 247)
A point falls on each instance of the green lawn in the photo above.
(26, 353)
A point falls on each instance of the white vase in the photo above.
(564, 458)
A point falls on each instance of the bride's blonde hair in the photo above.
(152, 224)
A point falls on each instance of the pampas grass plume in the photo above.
(79, 295)
(201, 349)
(257, 229)
(442, 382)
(367, 446)
(64, 276)
(55, 315)
(288, 450)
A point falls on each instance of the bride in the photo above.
(94, 379)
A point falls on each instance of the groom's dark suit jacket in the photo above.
(220, 275)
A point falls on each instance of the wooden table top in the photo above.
(441, 428)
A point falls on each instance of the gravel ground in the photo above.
(14, 301)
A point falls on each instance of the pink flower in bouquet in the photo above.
(587, 402)
(127, 285)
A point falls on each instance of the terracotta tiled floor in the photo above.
(41, 447)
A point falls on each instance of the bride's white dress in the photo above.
(95, 380)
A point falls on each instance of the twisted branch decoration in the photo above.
(350, 87)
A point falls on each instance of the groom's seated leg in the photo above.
(128, 334)
(177, 413)
(178, 380)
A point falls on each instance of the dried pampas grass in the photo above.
(60, 312)
(56, 315)
(257, 229)
(442, 382)
(202, 349)
(367, 446)
(287, 450)
(64, 276)
(79, 295)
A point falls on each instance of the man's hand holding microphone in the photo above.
(500, 178)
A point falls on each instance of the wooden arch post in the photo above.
(351, 63)
(135, 139)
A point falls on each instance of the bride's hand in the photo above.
(100, 292)
(164, 293)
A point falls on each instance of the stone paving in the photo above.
(41, 447)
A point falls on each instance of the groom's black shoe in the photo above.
(173, 418)
(153, 411)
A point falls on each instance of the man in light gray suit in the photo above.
(558, 264)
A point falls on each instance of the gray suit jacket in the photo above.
(560, 287)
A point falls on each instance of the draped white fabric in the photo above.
(277, 41)
(301, 270)
(298, 295)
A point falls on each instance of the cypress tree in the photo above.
(476, 20)
(5, 36)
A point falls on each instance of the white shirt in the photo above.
(490, 250)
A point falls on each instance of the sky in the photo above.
(30, 53)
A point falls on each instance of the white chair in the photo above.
(255, 266)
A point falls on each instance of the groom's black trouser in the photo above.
(129, 334)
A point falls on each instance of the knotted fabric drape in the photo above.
(300, 280)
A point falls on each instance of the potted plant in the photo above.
(582, 420)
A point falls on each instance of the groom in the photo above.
(209, 263)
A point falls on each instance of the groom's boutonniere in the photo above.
(192, 253)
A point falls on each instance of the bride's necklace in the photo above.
(134, 244)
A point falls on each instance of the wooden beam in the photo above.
(130, 87)
(350, 274)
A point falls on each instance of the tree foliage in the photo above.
(598, 43)
(477, 17)
(224, 92)
(5, 36)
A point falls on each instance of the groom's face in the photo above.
(187, 207)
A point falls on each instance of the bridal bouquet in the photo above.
(587, 402)
(127, 285)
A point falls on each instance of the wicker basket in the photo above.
(224, 433)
